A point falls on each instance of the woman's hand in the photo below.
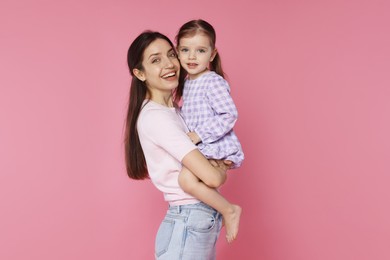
(221, 166)
(211, 172)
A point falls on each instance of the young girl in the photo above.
(210, 114)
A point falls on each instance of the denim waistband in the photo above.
(199, 205)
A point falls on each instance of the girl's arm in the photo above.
(212, 175)
(225, 113)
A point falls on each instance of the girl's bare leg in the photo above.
(231, 213)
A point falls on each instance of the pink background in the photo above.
(311, 81)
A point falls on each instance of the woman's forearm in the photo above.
(212, 176)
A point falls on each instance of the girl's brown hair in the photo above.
(191, 28)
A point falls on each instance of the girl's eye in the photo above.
(201, 51)
(184, 50)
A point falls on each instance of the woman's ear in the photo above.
(215, 51)
(139, 74)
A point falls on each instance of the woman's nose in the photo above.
(169, 63)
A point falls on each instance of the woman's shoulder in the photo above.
(153, 113)
(157, 121)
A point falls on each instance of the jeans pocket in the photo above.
(163, 237)
(201, 221)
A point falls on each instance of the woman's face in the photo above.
(160, 68)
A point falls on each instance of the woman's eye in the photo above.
(155, 60)
(173, 55)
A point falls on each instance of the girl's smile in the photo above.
(195, 54)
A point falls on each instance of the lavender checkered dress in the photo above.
(209, 110)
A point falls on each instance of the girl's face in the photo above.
(160, 68)
(195, 54)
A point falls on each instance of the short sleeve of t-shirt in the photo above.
(166, 129)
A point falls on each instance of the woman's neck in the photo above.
(162, 99)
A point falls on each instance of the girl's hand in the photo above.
(195, 139)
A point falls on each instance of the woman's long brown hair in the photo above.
(134, 155)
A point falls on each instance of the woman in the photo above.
(157, 146)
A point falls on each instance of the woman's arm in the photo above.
(213, 175)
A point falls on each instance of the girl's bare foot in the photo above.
(232, 222)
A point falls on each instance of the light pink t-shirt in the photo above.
(163, 138)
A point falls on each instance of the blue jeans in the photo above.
(188, 232)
